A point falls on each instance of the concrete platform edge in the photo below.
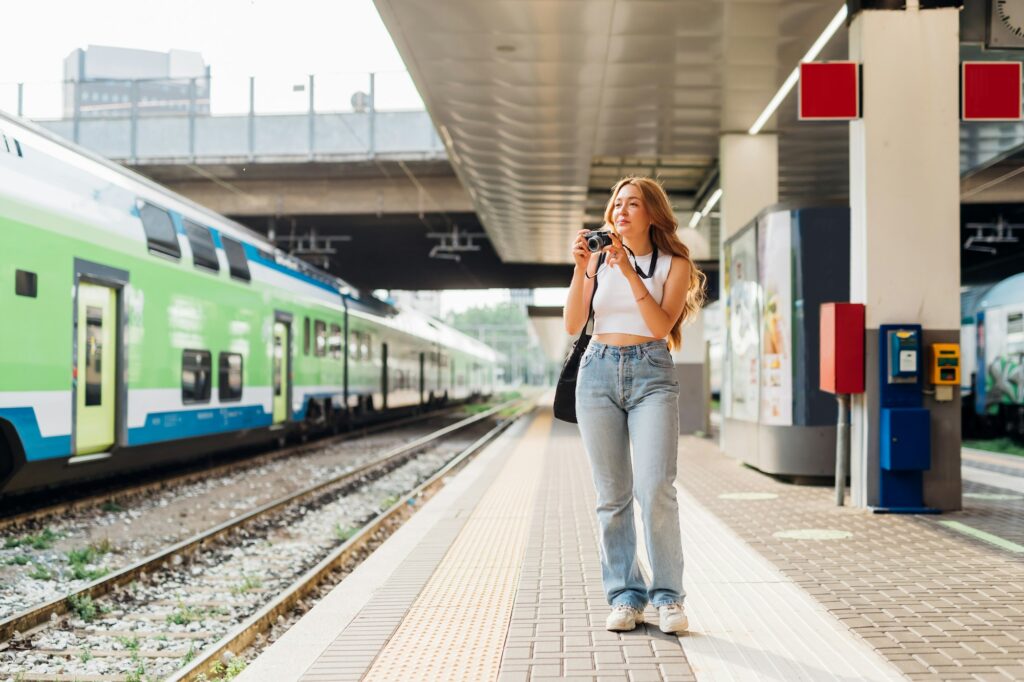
(295, 651)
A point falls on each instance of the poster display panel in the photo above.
(776, 277)
(741, 385)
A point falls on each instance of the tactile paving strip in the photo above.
(456, 629)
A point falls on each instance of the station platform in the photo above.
(498, 577)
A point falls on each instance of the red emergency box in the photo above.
(842, 348)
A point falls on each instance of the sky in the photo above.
(278, 41)
(236, 37)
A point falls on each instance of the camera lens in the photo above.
(598, 240)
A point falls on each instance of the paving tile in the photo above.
(560, 615)
(905, 584)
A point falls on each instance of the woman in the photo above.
(627, 393)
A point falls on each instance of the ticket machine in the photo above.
(905, 425)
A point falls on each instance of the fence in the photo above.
(205, 119)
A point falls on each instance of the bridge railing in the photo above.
(195, 120)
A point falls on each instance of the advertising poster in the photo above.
(741, 384)
(725, 387)
(774, 259)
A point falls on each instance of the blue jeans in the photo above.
(629, 394)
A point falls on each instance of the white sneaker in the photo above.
(672, 618)
(623, 618)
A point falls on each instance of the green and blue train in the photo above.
(141, 329)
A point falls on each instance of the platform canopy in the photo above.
(543, 105)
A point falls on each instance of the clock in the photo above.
(1005, 24)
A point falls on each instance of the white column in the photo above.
(749, 177)
(905, 218)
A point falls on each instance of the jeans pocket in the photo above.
(660, 358)
(588, 356)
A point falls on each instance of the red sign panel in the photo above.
(829, 91)
(990, 91)
(841, 362)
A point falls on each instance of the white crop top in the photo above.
(615, 307)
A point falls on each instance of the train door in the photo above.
(96, 369)
(282, 373)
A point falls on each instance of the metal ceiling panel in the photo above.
(544, 104)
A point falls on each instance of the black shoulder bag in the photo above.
(565, 390)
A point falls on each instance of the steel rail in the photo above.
(35, 616)
(246, 633)
(201, 474)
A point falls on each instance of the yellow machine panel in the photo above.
(945, 364)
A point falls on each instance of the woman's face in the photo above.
(629, 213)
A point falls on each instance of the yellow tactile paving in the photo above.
(456, 629)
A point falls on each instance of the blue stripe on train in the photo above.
(254, 255)
(36, 445)
(251, 252)
(162, 426)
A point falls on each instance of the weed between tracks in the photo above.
(85, 608)
(82, 561)
(248, 584)
(344, 533)
(219, 672)
(41, 540)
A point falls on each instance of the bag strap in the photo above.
(588, 328)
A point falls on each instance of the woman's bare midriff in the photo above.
(623, 339)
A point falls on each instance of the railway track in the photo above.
(172, 611)
(34, 514)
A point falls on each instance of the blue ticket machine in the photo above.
(904, 424)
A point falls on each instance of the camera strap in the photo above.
(654, 262)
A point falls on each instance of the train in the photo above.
(141, 329)
(992, 359)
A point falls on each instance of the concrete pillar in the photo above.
(905, 220)
(749, 177)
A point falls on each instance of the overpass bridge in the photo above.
(324, 179)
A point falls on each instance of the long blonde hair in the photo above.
(664, 236)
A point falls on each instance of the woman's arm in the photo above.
(577, 304)
(661, 318)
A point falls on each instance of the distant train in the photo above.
(141, 329)
(992, 352)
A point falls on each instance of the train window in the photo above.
(334, 342)
(160, 233)
(93, 356)
(237, 262)
(25, 283)
(306, 337)
(204, 253)
(230, 376)
(321, 338)
(196, 376)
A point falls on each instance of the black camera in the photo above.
(597, 240)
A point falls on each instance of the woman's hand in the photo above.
(580, 252)
(617, 256)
